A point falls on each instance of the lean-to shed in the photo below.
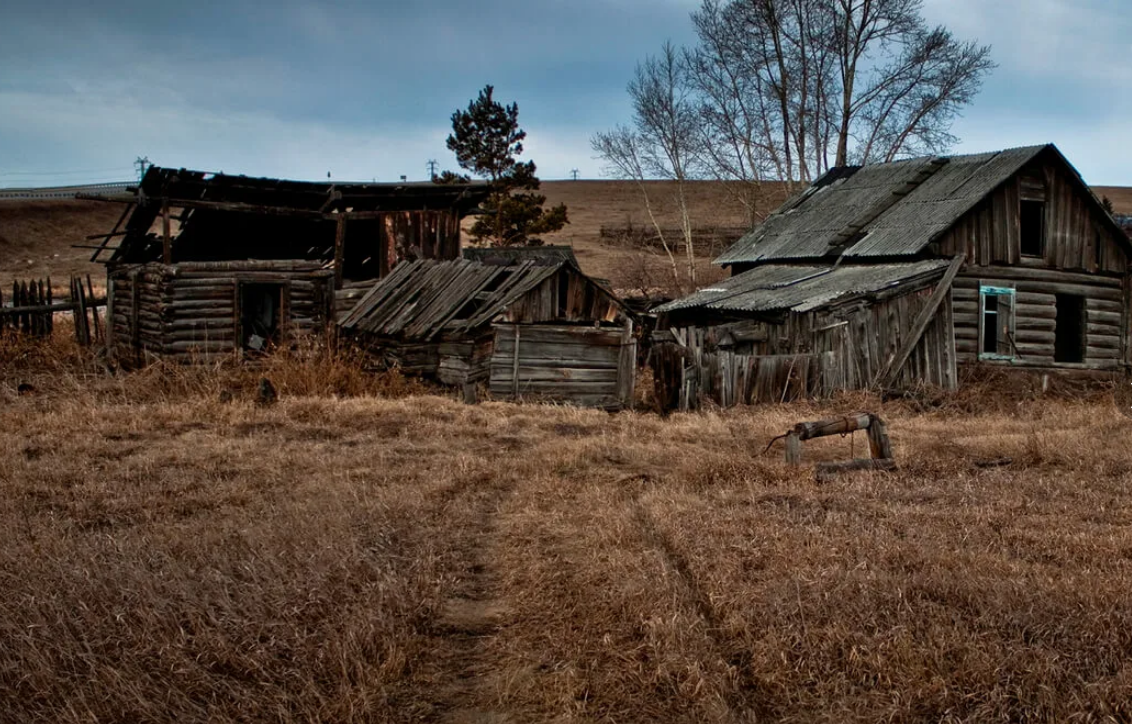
(1043, 282)
(542, 330)
(208, 264)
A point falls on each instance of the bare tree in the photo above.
(662, 143)
(785, 84)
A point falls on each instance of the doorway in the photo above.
(261, 311)
(1069, 334)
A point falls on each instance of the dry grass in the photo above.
(168, 556)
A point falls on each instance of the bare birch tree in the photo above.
(794, 82)
(663, 142)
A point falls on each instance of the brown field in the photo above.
(370, 550)
(364, 552)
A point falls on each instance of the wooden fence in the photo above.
(32, 307)
(685, 378)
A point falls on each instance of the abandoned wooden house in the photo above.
(526, 330)
(210, 264)
(1027, 270)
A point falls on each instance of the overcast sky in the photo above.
(365, 90)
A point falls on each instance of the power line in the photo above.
(574, 173)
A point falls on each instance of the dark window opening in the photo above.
(563, 293)
(1033, 227)
(261, 311)
(996, 332)
(1069, 337)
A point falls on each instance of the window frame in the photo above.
(992, 291)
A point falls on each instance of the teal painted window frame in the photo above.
(998, 292)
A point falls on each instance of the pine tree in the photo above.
(486, 139)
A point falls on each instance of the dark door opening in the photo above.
(1069, 337)
(261, 309)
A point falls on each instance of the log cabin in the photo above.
(533, 329)
(209, 264)
(1038, 269)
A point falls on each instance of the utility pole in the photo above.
(431, 169)
(574, 172)
(142, 164)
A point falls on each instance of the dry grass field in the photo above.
(365, 552)
(371, 550)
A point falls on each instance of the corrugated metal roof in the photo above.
(889, 209)
(778, 288)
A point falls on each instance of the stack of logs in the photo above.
(880, 446)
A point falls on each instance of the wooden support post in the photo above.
(793, 448)
(470, 395)
(166, 239)
(879, 445)
(339, 250)
(515, 365)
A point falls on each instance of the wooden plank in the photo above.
(942, 291)
(515, 361)
(627, 367)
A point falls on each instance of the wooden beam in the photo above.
(892, 369)
(834, 426)
(166, 240)
(339, 250)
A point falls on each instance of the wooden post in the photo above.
(93, 310)
(166, 239)
(879, 444)
(339, 250)
(627, 366)
(793, 448)
(515, 365)
(470, 396)
(50, 319)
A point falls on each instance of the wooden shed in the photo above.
(208, 264)
(537, 330)
(1043, 283)
(781, 332)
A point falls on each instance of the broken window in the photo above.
(1069, 337)
(996, 327)
(261, 312)
(1033, 227)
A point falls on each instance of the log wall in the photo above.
(1106, 315)
(191, 311)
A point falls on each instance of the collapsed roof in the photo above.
(223, 217)
(428, 300)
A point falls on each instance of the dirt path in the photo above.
(464, 691)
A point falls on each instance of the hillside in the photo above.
(36, 237)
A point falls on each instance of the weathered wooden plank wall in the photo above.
(991, 233)
(581, 365)
(810, 354)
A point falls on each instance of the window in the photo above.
(1069, 334)
(260, 315)
(1033, 223)
(996, 323)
